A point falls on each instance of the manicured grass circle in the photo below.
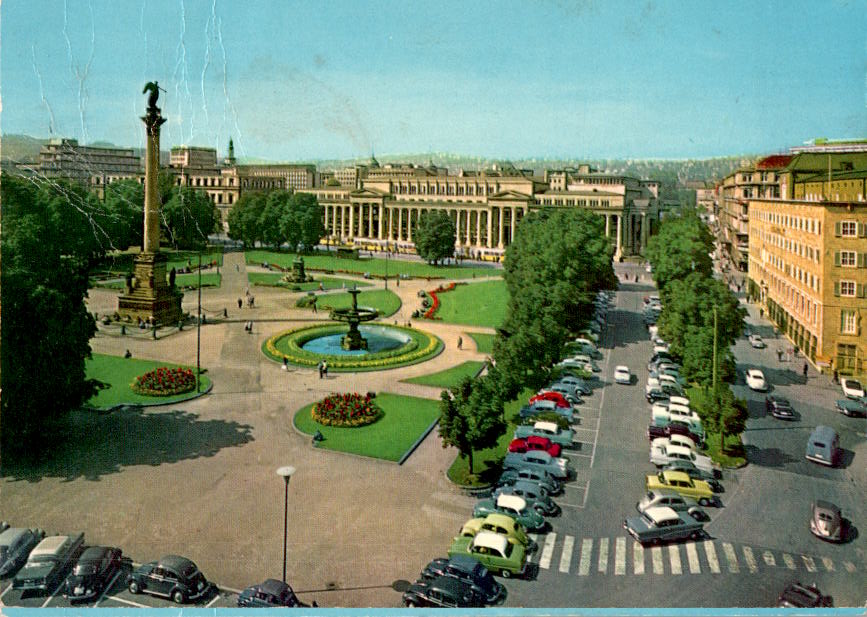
(288, 344)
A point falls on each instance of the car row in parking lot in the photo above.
(60, 564)
(495, 540)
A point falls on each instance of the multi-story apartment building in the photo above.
(808, 268)
(64, 158)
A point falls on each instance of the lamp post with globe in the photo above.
(286, 474)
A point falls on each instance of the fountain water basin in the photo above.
(378, 339)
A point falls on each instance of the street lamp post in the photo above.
(286, 474)
(386, 265)
(199, 329)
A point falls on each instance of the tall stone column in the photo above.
(478, 228)
(489, 241)
(389, 212)
(500, 227)
(351, 221)
(643, 233)
(512, 212)
(380, 209)
(409, 224)
(468, 239)
(607, 225)
(151, 244)
(369, 220)
(400, 224)
(619, 245)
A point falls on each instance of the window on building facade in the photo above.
(848, 229)
(847, 288)
(847, 259)
(848, 322)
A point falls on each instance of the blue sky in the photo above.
(552, 78)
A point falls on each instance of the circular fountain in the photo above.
(353, 341)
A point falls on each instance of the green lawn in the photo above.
(122, 262)
(388, 438)
(449, 377)
(386, 302)
(211, 279)
(477, 304)
(487, 463)
(375, 266)
(275, 279)
(119, 373)
(484, 342)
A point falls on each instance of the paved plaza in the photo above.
(198, 478)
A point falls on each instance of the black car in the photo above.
(468, 570)
(92, 573)
(797, 595)
(443, 591)
(271, 593)
(689, 468)
(779, 407)
(172, 577)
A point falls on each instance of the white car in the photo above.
(675, 439)
(675, 412)
(756, 380)
(664, 454)
(757, 342)
(852, 388)
(661, 348)
(622, 375)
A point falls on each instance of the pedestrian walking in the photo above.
(237, 268)
(285, 363)
(460, 342)
(836, 377)
(225, 313)
(325, 369)
(240, 303)
(252, 301)
(314, 305)
(805, 370)
(319, 366)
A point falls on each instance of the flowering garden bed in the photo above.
(165, 381)
(435, 302)
(348, 409)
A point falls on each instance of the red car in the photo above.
(674, 428)
(558, 398)
(534, 442)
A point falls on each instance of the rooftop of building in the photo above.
(775, 161)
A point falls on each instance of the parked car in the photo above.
(92, 573)
(15, 545)
(674, 427)
(673, 500)
(568, 392)
(580, 362)
(851, 407)
(469, 571)
(48, 563)
(683, 484)
(675, 412)
(557, 467)
(3, 526)
(823, 446)
(542, 406)
(270, 593)
(581, 386)
(656, 394)
(549, 430)
(797, 595)
(756, 380)
(622, 375)
(663, 524)
(757, 342)
(661, 417)
(826, 521)
(536, 497)
(662, 455)
(533, 442)
(172, 577)
(442, 592)
(555, 397)
(674, 440)
(545, 480)
(852, 388)
(493, 551)
(498, 523)
(779, 407)
(511, 505)
(694, 472)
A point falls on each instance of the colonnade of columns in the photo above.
(491, 227)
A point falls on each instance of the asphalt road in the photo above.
(759, 540)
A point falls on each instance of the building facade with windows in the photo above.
(808, 271)
(64, 158)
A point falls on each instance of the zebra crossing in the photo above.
(622, 556)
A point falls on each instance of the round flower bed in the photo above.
(165, 381)
(347, 410)
(419, 346)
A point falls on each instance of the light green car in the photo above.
(493, 551)
(497, 523)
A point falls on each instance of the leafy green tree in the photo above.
(269, 222)
(78, 225)
(682, 246)
(303, 222)
(434, 236)
(123, 206)
(733, 416)
(189, 217)
(557, 262)
(244, 218)
(471, 416)
(46, 327)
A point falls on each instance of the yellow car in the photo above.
(500, 524)
(683, 484)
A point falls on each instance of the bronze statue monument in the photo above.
(150, 297)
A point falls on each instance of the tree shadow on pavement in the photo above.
(767, 457)
(97, 444)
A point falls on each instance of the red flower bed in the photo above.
(429, 314)
(350, 409)
(165, 381)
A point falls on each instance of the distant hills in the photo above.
(672, 173)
